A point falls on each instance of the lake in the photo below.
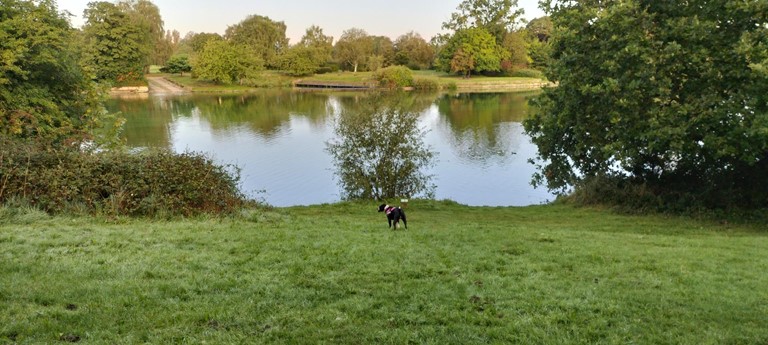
(278, 140)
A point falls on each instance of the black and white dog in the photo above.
(394, 214)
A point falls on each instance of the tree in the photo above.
(497, 17)
(145, 15)
(44, 93)
(177, 64)
(541, 28)
(382, 53)
(315, 38)
(265, 37)
(225, 62)
(413, 51)
(662, 97)
(299, 60)
(115, 48)
(516, 45)
(379, 151)
(198, 41)
(463, 63)
(353, 48)
(471, 50)
(309, 55)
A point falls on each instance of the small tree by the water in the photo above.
(379, 151)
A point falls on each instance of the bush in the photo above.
(156, 183)
(527, 73)
(394, 77)
(426, 84)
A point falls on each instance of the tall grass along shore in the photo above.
(335, 274)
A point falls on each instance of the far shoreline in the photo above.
(364, 81)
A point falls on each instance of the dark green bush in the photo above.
(394, 77)
(156, 183)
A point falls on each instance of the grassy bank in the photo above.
(444, 80)
(334, 274)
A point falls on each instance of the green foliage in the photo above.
(299, 61)
(527, 73)
(540, 28)
(264, 37)
(353, 48)
(198, 41)
(224, 62)
(514, 43)
(383, 49)
(321, 45)
(659, 95)
(426, 84)
(413, 51)
(497, 17)
(539, 53)
(44, 94)
(309, 56)
(394, 77)
(379, 151)
(146, 15)
(471, 50)
(177, 64)
(116, 47)
(115, 183)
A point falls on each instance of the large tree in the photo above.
(43, 91)
(309, 55)
(265, 37)
(353, 48)
(471, 50)
(225, 62)
(116, 48)
(146, 15)
(498, 17)
(379, 150)
(413, 51)
(665, 96)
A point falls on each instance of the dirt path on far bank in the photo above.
(160, 85)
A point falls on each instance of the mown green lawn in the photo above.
(335, 274)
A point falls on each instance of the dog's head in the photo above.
(381, 207)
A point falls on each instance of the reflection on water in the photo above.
(278, 139)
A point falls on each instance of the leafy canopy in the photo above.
(498, 17)
(44, 93)
(353, 48)
(117, 47)
(225, 62)
(263, 36)
(471, 50)
(662, 94)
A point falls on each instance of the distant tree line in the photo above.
(496, 45)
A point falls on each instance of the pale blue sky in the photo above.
(381, 18)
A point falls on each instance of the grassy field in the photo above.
(334, 274)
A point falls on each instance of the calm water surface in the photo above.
(278, 139)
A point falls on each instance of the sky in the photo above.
(380, 18)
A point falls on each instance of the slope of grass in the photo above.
(334, 274)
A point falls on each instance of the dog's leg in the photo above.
(405, 222)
